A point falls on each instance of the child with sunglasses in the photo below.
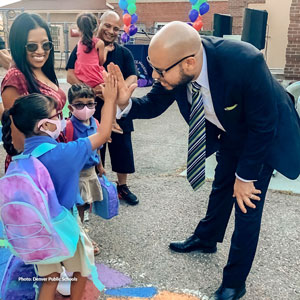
(37, 117)
(82, 107)
(91, 55)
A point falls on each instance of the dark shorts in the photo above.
(121, 153)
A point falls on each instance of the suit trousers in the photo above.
(247, 226)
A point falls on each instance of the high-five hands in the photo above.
(124, 92)
(244, 192)
(110, 88)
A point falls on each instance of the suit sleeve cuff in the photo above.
(242, 179)
(122, 113)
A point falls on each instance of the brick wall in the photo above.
(292, 67)
(149, 13)
(236, 10)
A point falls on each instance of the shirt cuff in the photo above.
(122, 113)
(244, 180)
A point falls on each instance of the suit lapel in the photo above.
(215, 84)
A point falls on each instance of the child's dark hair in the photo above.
(25, 112)
(18, 36)
(80, 91)
(87, 24)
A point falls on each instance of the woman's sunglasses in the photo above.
(32, 47)
(81, 106)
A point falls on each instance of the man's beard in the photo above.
(184, 79)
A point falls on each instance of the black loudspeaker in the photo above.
(222, 25)
(255, 27)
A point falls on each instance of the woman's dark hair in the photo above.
(25, 112)
(18, 37)
(87, 24)
(79, 91)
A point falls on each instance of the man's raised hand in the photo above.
(124, 92)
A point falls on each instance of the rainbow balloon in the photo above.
(199, 8)
(129, 19)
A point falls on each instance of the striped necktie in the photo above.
(196, 149)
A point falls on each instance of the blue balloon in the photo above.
(134, 18)
(123, 4)
(193, 2)
(193, 15)
(204, 8)
(125, 11)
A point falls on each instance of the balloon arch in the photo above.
(199, 8)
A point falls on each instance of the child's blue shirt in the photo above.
(82, 131)
(64, 163)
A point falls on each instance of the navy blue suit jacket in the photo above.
(256, 112)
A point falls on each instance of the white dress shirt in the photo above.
(202, 80)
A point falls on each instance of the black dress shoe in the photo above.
(193, 243)
(224, 293)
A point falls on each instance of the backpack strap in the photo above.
(42, 149)
(69, 130)
(37, 152)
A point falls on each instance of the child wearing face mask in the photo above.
(82, 107)
(35, 115)
(91, 55)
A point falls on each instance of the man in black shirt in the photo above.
(120, 148)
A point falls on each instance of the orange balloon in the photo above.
(127, 19)
(126, 29)
(198, 25)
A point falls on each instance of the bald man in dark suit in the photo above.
(250, 121)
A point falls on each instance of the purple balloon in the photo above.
(132, 30)
(193, 15)
(190, 23)
(125, 11)
(193, 2)
(204, 8)
(125, 37)
(134, 18)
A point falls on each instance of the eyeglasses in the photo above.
(59, 114)
(81, 106)
(32, 47)
(161, 72)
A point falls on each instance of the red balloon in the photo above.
(126, 29)
(199, 18)
(198, 25)
(127, 19)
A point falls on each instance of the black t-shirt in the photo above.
(2, 43)
(122, 57)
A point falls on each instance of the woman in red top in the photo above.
(33, 70)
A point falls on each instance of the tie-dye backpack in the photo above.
(38, 229)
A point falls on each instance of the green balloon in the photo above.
(201, 1)
(197, 5)
(131, 8)
(131, 1)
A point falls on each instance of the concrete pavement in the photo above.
(136, 242)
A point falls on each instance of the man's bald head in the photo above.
(109, 14)
(173, 42)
